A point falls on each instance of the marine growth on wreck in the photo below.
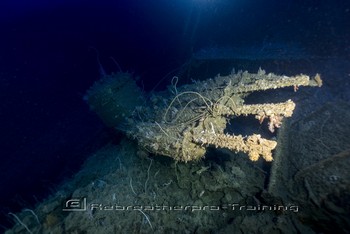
(182, 122)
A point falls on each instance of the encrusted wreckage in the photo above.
(182, 122)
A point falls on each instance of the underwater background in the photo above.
(52, 52)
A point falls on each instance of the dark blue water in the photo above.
(47, 63)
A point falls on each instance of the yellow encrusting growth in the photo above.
(183, 121)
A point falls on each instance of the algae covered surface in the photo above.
(126, 192)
